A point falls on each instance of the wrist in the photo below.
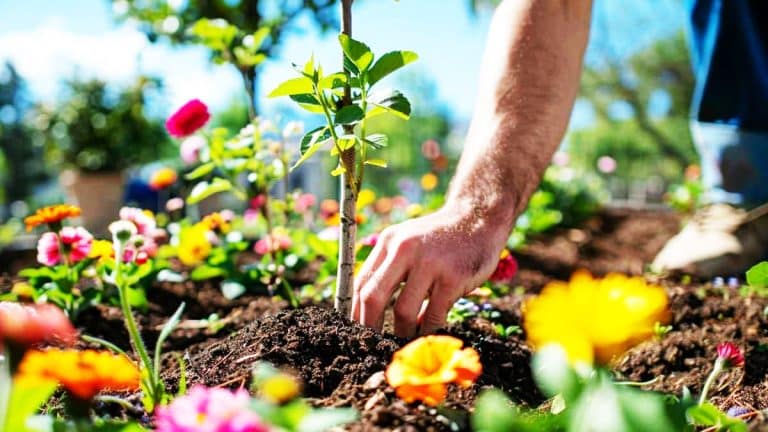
(493, 221)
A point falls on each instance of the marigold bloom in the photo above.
(51, 215)
(81, 373)
(162, 178)
(34, 324)
(422, 369)
(506, 269)
(194, 245)
(729, 353)
(209, 410)
(188, 119)
(594, 319)
(76, 241)
(429, 182)
(217, 223)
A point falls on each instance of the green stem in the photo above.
(130, 322)
(6, 385)
(716, 371)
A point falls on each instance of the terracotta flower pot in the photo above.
(99, 195)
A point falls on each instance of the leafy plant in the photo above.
(346, 101)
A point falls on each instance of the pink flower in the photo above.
(188, 119)
(561, 158)
(251, 216)
(48, 249)
(144, 221)
(730, 354)
(190, 149)
(77, 245)
(209, 410)
(606, 164)
(304, 202)
(371, 240)
(258, 201)
(506, 269)
(272, 243)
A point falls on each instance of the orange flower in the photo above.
(162, 178)
(81, 373)
(217, 223)
(422, 369)
(51, 215)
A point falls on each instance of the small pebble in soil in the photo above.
(737, 411)
(718, 282)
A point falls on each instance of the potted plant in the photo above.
(93, 136)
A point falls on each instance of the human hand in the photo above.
(440, 257)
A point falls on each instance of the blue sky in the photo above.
(51, 40)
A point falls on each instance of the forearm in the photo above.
(528, 83)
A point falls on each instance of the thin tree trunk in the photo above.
(345, 273)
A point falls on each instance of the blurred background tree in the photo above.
(642, 107)
(21, 169)
(99, 129)
(172, 20)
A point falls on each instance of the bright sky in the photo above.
(51, 40)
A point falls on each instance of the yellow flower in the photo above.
(162, 178)
(414, 210)
(51, 215)
(102, 250)
(280, 388)
(429, 182)
(365, 198)
(423, 369)
(194, 245)
(217, 223)
(592, 319)
(81, 373)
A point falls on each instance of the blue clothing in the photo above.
(729, 50)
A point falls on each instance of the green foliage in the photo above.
(100, 130)
(563, 199)
(249, 154)
(20, 169)
(686, 197)
(709, 416)
(319, 93)
(585, 400)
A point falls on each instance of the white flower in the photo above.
(122, 231)
(293, 128)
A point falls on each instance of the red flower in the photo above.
(188, 119)
(506, 269)
(31, 325)
(730, 354)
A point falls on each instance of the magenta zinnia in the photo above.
(188, 119)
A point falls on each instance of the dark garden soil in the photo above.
(341, 363)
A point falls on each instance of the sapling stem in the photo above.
(348, 204)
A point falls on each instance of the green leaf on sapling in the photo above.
(494, 413)
(357, 52)
(339, 170)
(309, 102)
(311, 143)
(293, 86)
(332, 81)
(348, 115)
(392, 102)
(389, 63)
(381, 163)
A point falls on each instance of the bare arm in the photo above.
(529, 79)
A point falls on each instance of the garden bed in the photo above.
(340, 363)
